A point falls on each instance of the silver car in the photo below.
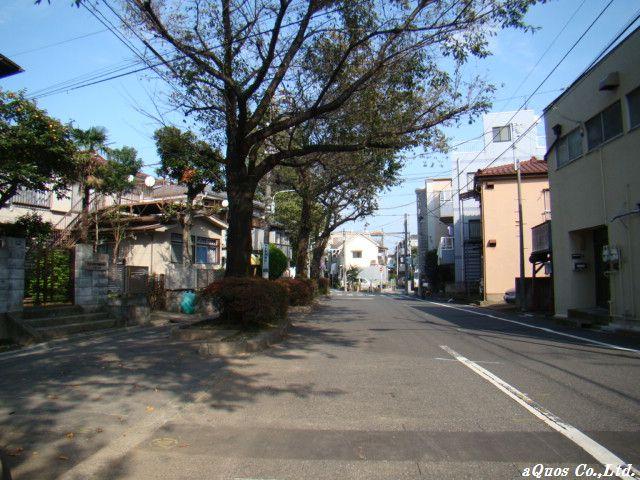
(510, 295)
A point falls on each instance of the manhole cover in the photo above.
(164, 442)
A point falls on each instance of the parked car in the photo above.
(510, 295)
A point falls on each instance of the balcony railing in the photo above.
(446, 203)
(33, 198)
(446, 255)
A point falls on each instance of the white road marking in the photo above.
(537, 327)
(593, 448)
(454, 360)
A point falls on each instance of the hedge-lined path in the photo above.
(361, 389)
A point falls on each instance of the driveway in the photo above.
(367, 387)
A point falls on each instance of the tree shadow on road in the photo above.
(59, 406)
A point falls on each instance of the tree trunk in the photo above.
(316, 257)
(240, 196)
(84, 214)
(304, 234)
(187, 223)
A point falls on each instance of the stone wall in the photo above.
(12, 254)
(91, 281)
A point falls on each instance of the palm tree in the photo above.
(89, 143)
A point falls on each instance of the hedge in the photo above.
(301, 290)
(250, 301)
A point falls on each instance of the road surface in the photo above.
(368, 387)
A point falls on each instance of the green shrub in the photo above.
(323, 285)
(249, 302)
(301, 290)
(277, 262)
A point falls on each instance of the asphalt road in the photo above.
(368, 387)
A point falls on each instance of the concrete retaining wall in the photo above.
(12, 255)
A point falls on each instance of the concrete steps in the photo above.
(588, 317)
(61, 321)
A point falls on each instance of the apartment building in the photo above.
(496, 146)
(594, 132)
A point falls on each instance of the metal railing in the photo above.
(32, 198)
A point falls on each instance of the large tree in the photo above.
(192, 163)
(36, 151)
(254, 73)
(335, 190)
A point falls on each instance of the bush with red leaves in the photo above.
(249, 302)
(301, 290)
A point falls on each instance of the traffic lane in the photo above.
(593, 388)
(359, 390)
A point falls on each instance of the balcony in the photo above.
(446, 204)
(32, 198)
(446, 254)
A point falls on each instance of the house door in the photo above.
(600, 239)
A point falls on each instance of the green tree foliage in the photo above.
(192, 163)
(254, 74)
(36, 151)
(353, 273)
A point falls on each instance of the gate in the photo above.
(48, 276)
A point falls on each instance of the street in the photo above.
(368, 386)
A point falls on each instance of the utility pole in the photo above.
(344, 260)
(265, 241)
(461, 220)
(520, 226)
(406, 256)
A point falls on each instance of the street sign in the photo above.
(265, 260)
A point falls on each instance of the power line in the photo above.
(538, 88)
(396, 206)
(62, 42)
(78, 85)
(575, 12)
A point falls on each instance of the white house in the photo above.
(357, 249)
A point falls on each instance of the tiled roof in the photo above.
(528, 167)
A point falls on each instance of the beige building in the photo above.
(594, 173)
(496, 188)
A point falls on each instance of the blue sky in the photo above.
(26, 28)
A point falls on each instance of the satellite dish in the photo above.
(149, 181)
(225, 203)
(131, 178)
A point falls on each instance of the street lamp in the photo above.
(271, 208)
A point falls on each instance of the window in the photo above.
(176, 248)
(569, 147)
(356, 253)
(604, 126)
(502, 134)
(203, 250)
(206, 250)
(475, 230)
(633, 101)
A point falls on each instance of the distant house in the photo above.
(357, 249)
(496, 190)
(593, 129)
(151, 234)
(435, 226)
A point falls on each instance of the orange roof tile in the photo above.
(528, 167)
